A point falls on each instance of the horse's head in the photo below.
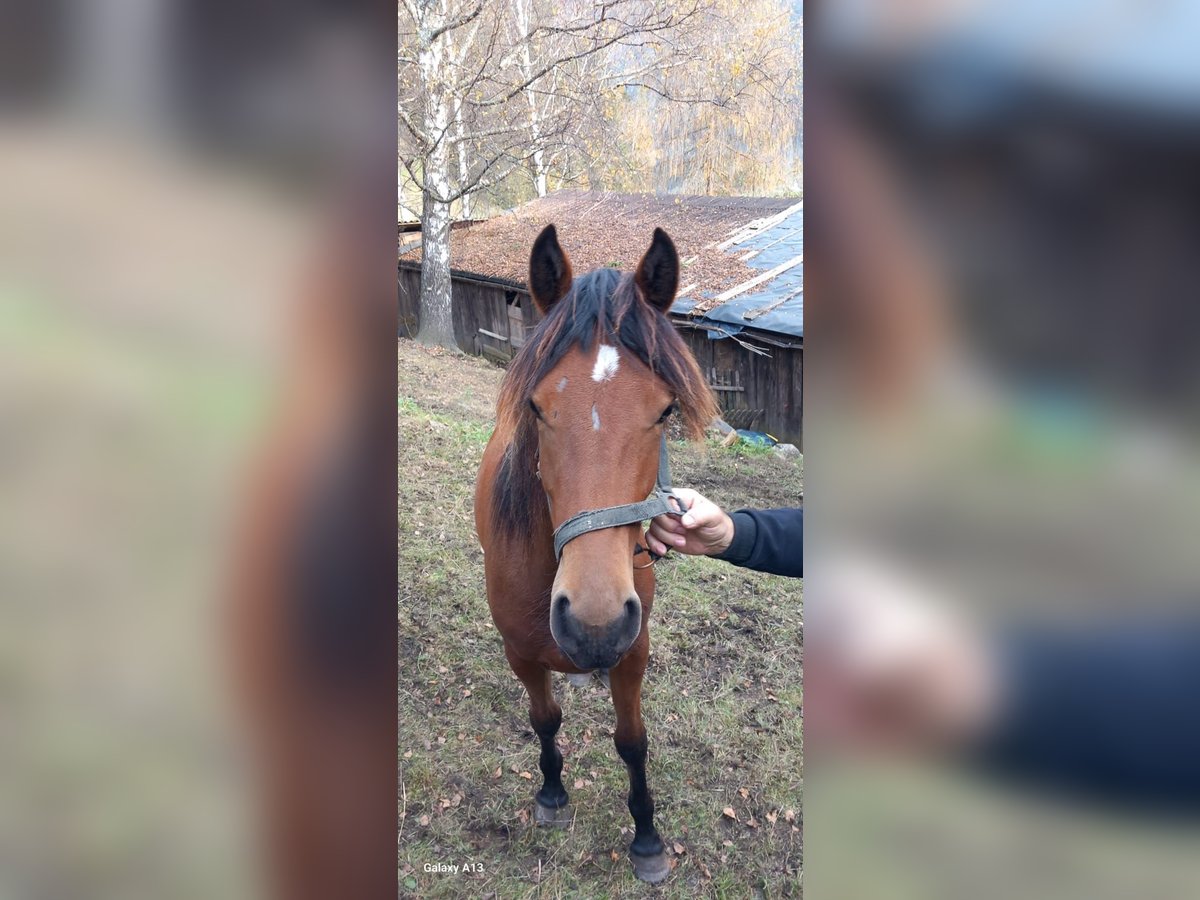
(600, 410)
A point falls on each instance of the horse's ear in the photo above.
(549, 270)
(657, 274)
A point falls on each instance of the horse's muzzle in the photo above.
(594, 647)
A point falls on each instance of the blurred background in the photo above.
(196, 218)
(1002, 223)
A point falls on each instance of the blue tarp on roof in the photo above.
(775, 305)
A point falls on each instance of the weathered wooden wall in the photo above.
(492, 319)
(763, 393)
(408, 286)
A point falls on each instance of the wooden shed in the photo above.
(740, 306)
(492, 316)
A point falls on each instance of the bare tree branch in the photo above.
(457, 23)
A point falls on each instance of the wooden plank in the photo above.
(516, 327)
(757, 280)
(462, 312)
(494, 353)
(408, 283)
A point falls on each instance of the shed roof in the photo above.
(772, 298)
(600, 228)
(715, 237)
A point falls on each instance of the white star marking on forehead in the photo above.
(607, 361)
(562, 383)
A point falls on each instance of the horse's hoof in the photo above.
(550, 817)
(650, 868)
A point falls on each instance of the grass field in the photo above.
(722, 698)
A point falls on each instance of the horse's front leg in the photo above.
(545, 715)
(646, 852)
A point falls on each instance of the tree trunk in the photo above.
(540, 180)
(460, 132)
(538, 159)
(437, 320)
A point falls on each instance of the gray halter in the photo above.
(657, 504)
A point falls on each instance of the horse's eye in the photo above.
(666, 413)
(533, 406)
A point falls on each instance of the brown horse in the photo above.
(580, 422)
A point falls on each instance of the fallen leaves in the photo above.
(500, 246)
(728, 813)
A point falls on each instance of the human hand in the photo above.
(704, 530)
(890, 665)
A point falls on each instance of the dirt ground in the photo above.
(722, 699)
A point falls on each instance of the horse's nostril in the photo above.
(633, 618)
(560, 615)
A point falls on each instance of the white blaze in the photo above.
(595, 418)
(607, 361)
(562, 383)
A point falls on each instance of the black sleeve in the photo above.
(768, 540)
(1113, 713)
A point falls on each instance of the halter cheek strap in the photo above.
(657, 504)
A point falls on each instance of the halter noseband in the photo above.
(657, 504)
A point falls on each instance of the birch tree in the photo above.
(488, 87)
